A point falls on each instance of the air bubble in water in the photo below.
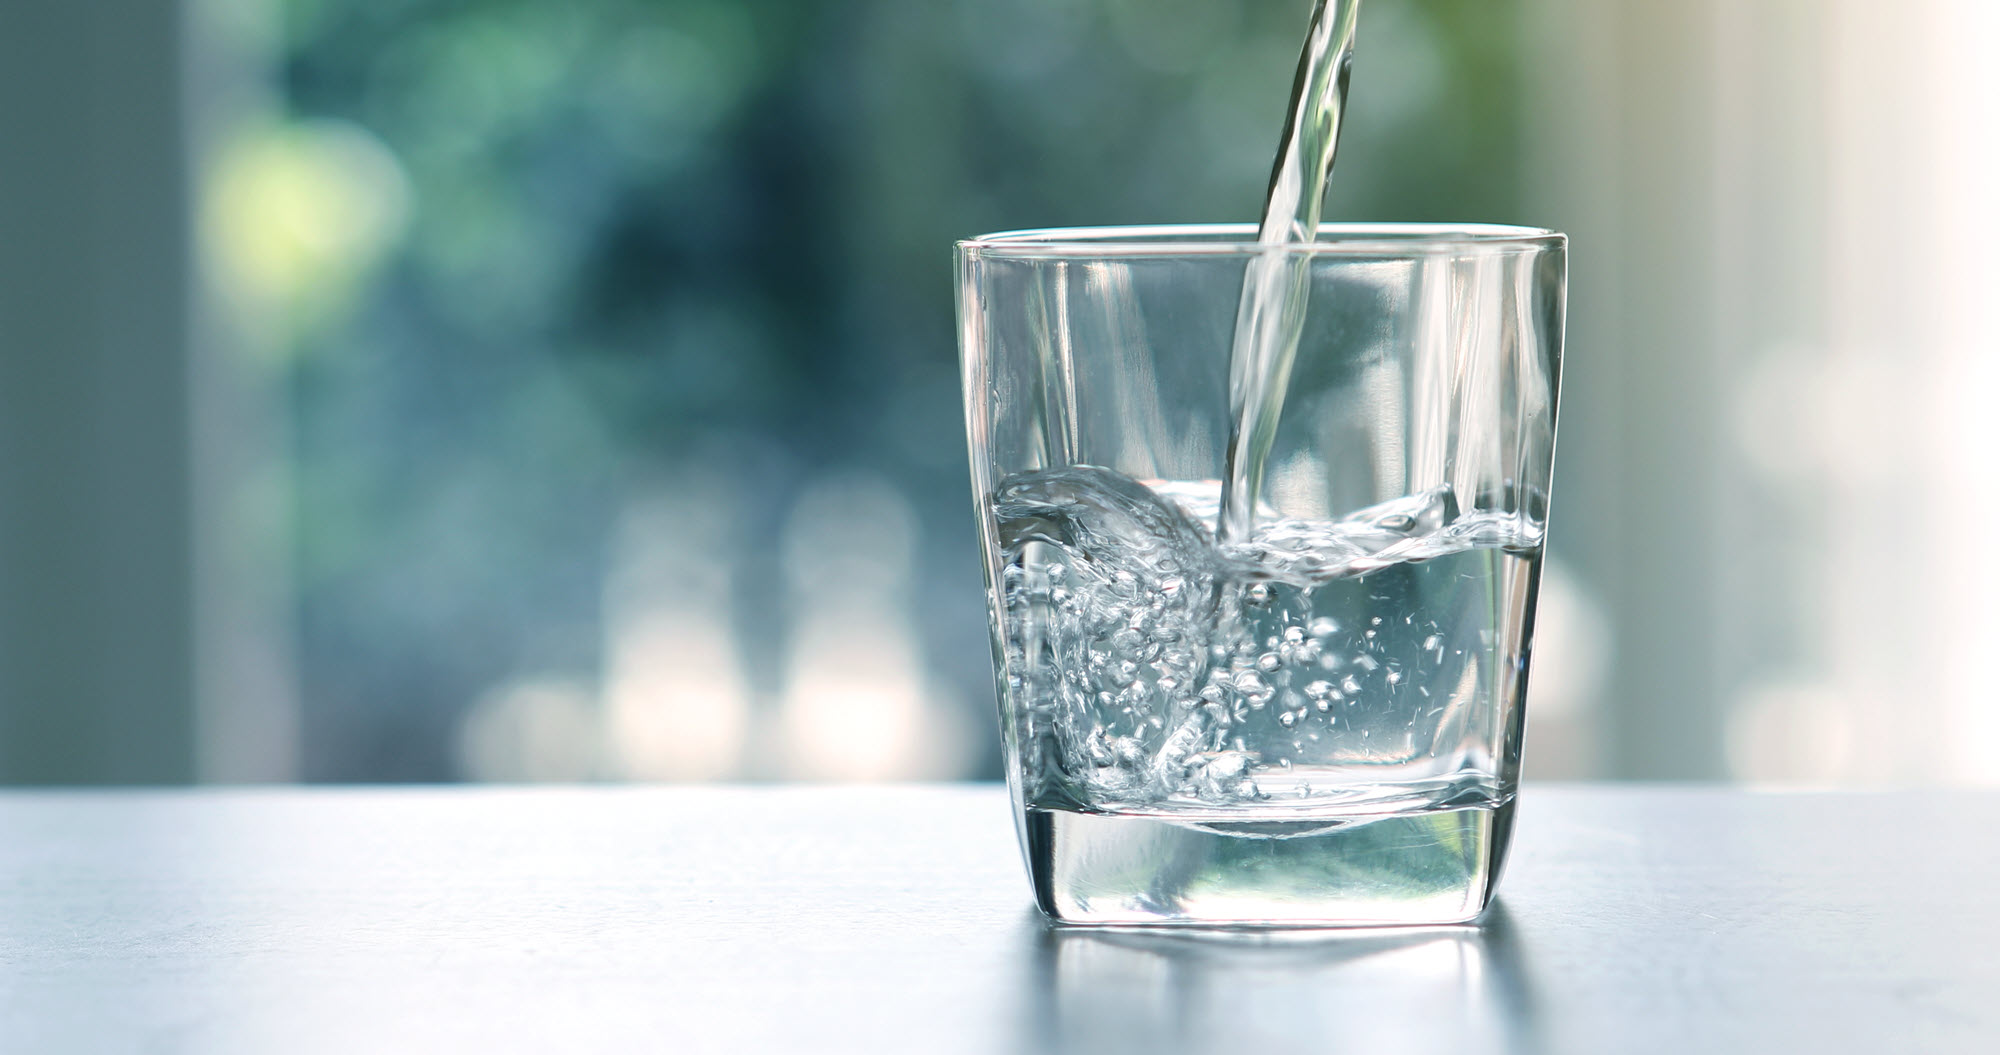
(1226, 765)
(1090, 609)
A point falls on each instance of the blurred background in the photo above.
(432, 390)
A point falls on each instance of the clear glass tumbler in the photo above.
(1312, 714)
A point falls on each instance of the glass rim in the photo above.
(1240, 239)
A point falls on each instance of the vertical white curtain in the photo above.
(1781, 451)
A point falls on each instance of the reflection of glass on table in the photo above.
(1451, 989)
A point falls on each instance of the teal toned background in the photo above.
(426, 390)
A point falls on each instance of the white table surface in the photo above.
(896, 919)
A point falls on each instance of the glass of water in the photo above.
(1307, 711)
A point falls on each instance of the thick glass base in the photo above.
(1124, 869)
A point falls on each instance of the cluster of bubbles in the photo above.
(1147, 666)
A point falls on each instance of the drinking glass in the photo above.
(1307, 713)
